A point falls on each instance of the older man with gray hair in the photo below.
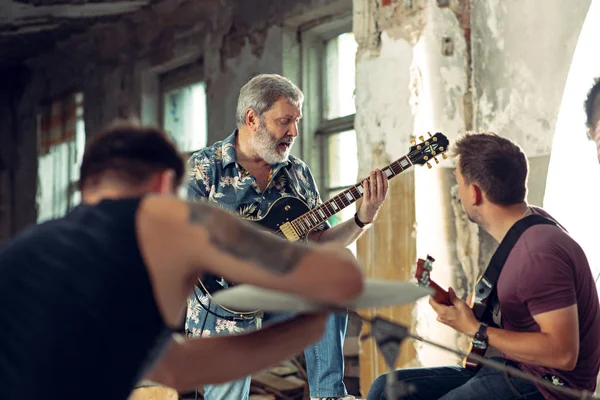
(246, 173)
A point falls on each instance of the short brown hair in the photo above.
(497, 165)
(592, 105)
(131, 152)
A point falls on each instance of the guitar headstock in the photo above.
(428, 149)
(423, 275)
(423, 271)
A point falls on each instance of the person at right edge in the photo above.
(550, 313)
(592, 113)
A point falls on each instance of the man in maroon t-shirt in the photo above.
(547, 295)
(545, 276)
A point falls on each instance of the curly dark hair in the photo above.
(592, 105)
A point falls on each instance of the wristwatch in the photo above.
(481, 337)
(360, 224)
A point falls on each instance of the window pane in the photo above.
(339, 75)
(184, 116)
(342, 159)
(54, 179)
(58, 167)
(80, 141)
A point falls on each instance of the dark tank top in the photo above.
(78, 318)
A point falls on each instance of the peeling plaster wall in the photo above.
(384, 119)
(523, 53)
(117, 66)
(522, 56)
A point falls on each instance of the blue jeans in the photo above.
(324, 359)
(456, 383)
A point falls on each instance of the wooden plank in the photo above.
(283, 370)
(154, 393)
(351, 367)
(269, 380)
(296, 381)
(351, 346)
(388, 251)
(299, 381)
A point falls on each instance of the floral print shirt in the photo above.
(216, 176)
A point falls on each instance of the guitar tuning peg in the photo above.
(413, 142)
(429, 133)
(444, 156)
(421, 138)
(428, 165)
(436, 160)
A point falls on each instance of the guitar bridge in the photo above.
(289, 232)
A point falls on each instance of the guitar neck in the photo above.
(441, 296)
(315, 217)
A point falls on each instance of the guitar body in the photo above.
(478, 349)
(483, 314)
(284, 209)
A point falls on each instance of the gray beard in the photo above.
(266, 147)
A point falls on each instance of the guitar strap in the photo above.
(486, 286)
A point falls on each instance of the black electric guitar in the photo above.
(479, 306)
(291, 218)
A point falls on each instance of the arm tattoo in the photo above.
(240, 239)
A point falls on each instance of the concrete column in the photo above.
(412, 78)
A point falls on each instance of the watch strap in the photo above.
(482, 333)
(358, 222)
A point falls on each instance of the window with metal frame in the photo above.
(61, 143)
(328, 63)
(184, 107)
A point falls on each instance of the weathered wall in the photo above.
(116, 65)
(16, 166)
(522, 56)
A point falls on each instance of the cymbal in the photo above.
(376, 293)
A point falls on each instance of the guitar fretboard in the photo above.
(315, 217)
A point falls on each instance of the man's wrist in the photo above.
(361, 224)
(472, 329)
(481, 333)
